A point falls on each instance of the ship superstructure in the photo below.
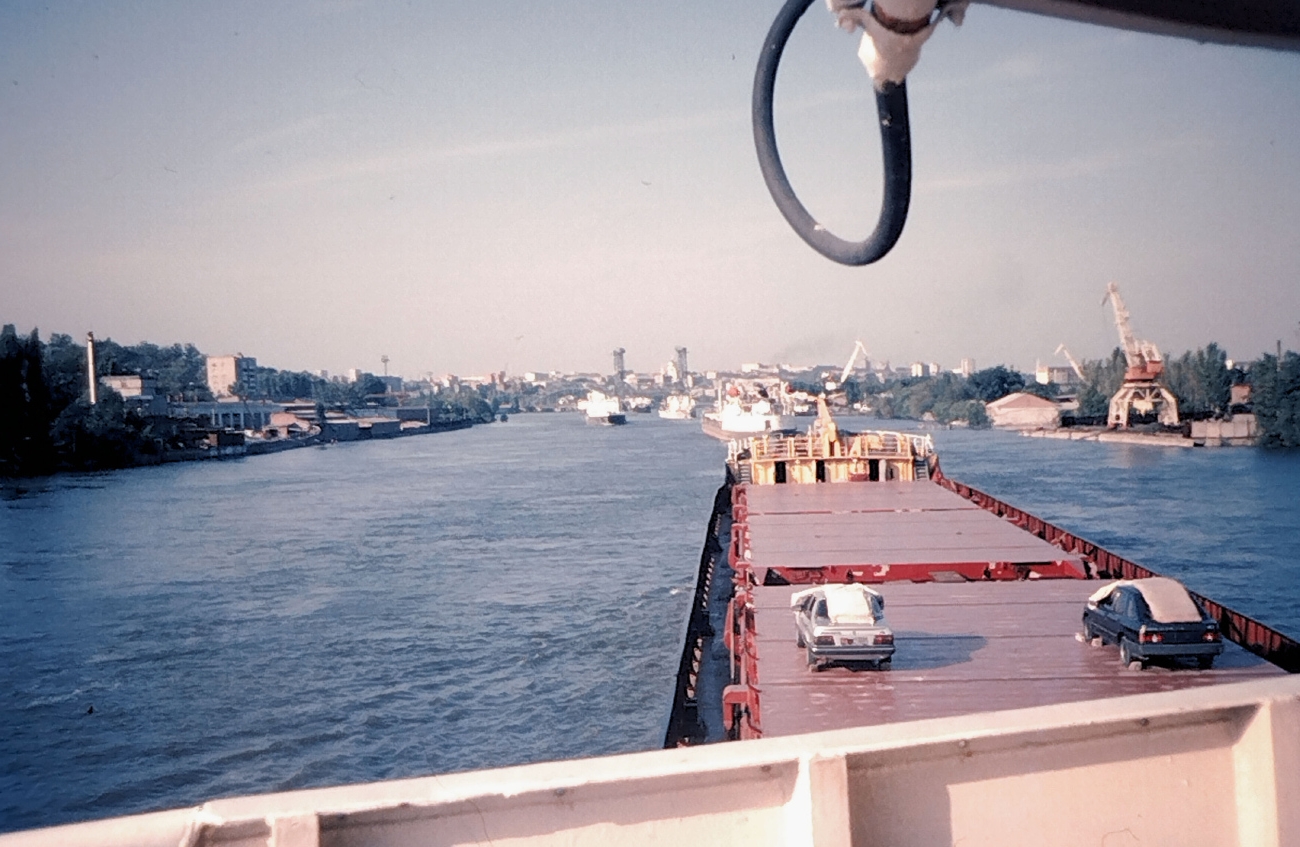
(749, 407)
(604, 409)
(678, 407)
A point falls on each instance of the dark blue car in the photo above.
(1151, 619)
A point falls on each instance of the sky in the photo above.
(467, 188)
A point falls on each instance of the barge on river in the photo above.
(995, 725)
(985, 600)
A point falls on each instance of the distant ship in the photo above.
(603, 409)
(678, 407)
(747, 409)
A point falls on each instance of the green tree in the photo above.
(38, 447)
(1092, 403)
(995, 383)
(13, 401)
(1275, 388)
(1048, 391)
(1200, 381)
(1101, 379)
(100, 436)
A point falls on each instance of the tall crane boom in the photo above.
(1126, 339)
(853, 357)
(1078, 370)
(1143, 357)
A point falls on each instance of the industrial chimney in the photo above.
(90, 367)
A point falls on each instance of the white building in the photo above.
(139, 391)
(1043, 374)
(1023, 411)
(229, 375)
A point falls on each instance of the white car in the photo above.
(842, 623)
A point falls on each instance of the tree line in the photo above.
(48, 424)
(46, 420)
(1275, 383)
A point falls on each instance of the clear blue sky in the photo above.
(469, 187)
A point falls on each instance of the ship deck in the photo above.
(985, 613)
(961, 648)
(887, 530)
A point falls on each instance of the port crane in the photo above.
(853, 357)
(1078, 369)
(858, 348)
(1140, 392)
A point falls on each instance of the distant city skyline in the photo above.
(320, 184)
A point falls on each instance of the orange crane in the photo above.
(1140, 391)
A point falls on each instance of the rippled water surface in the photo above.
(505, 594)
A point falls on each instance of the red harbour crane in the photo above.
(1141, 392)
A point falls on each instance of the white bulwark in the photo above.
(1209, 766)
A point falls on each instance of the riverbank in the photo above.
(1109, 436)
(236, 444)
(1237, 431)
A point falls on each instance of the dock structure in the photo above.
(985, 600)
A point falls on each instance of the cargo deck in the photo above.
(961, 648)
(984, 599)
(885, 531)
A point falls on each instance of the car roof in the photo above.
(1167, 599)
(844, 603)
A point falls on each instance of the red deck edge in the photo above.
(1262, 640)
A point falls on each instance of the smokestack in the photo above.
(90, 367)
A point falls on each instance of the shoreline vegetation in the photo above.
(48, 424)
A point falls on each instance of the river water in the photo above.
(506, 594)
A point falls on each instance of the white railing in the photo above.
(882, 444)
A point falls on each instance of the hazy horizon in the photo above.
(319, 184)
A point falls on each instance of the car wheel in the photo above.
(1090, 635)
(812, 660)
(885, 664)
(1126, 656)
(1205, 662)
